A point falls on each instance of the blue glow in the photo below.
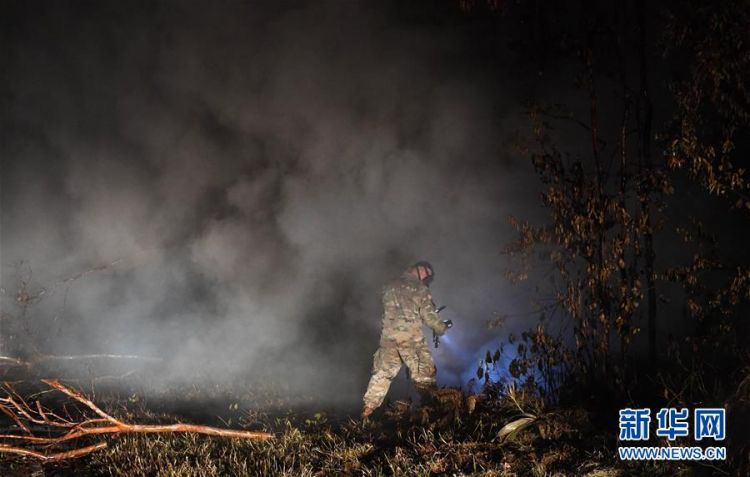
(497, 372)
(459, 363)
(447, 341)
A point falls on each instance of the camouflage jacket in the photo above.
(407, 303)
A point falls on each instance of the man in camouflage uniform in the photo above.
(407, 303)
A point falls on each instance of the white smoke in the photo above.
(260, 172)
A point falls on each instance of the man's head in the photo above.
(423, 271)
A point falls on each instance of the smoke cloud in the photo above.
(251, 174)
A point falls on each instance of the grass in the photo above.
(505, 435)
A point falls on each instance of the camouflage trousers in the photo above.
(387, 363)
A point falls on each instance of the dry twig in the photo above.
(71, 454)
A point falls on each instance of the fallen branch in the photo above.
(22, 413)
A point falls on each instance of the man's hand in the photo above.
(436, 334)
(440, 331)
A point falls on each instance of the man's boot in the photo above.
(367, 411)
